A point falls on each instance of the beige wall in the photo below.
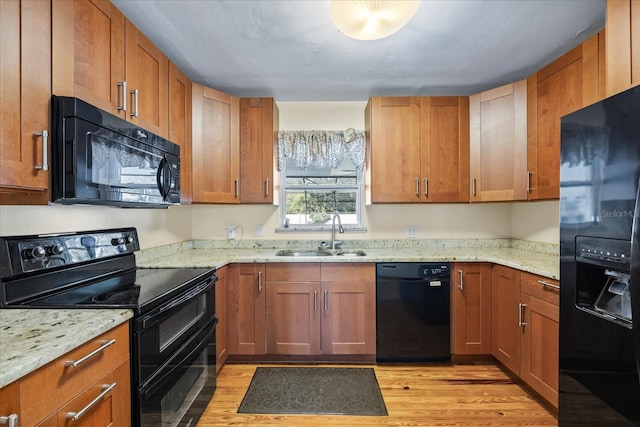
(536, 221)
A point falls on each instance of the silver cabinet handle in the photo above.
(460, 284)
(529, 175)
(315, 300)
(75, 416)
(134, 113)
(259, 281)
(105, 344)
(45, 146)
(418, 187)
(10, 420)
(235, 184)
(266, 187)
(550, 285)
(473, 186)
(326, 300)
(426, 187)
(122, 92)
(521, 321)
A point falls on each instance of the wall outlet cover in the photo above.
(258, 230)
(411, 232)
(231, 232)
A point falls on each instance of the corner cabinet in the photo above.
(215, 146)
(246, 297)
(569, 83)
(104, 59)
(418, 149)
(506, 320)
(498, 143)
(25, 90)
(471, 308)
(622, 45)
(259, 122)
(222, 291)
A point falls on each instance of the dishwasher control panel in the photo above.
(434, 270)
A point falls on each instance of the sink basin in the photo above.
(339, 252)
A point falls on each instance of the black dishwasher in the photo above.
(412, 312)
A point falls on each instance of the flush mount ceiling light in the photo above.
(371, 19)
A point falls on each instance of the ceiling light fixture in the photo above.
(371, 19)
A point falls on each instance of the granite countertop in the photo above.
(31, 338)
(203, 254)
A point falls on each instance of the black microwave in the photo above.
(98, 158)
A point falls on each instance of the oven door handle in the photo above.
(189, 295)
(159, 377)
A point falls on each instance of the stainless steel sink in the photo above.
(327, 252)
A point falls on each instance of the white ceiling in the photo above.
(290, 50)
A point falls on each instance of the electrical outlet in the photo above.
(231, 232)
(411, 232)
(258, 230)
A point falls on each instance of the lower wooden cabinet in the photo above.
(246, 298)
(222, 347)
(471, 308)
(54, 393)
(505, 316)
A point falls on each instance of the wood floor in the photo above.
(460, 395)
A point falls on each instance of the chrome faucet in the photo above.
(335, 242)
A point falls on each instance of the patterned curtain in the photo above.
(321, 148)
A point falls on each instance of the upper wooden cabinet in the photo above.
(100, 57)
(180, 105)
(569, 83)
(417, 149)
(471, 309)
(623, 45)
(498, 143)
(215, 146)
(259, 122)
(25, 91)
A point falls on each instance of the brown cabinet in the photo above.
(540, 335)
(471, 308)
(215, 146)
(25, 91)
(222, 289)
(505, 329)
(50, 393)
(105, 60)
(180, 127)
(246, 297)
(569, 83)
(622, 45)
(418, 149)
(259, 122)
(498, 143)
(321, 309)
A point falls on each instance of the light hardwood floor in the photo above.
(460, 395)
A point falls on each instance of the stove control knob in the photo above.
(118, 241)
(56, 249)
(37, 252)
(130, 239)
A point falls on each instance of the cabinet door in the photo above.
(215, 146)
(246, 304)
(293, 318)
(498, 143)
(25, 90)
(147, 74)
(258, 136)
(348, 309)
(569, 83)
(444, 139)
(10, 395)
(540, 341)
(89, 53)
(622, 45)
(180, 126)
(393, 125)
(222, 349)
(505, 296)
(471, 299)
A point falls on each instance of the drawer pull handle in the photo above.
(259, 281)
(326, 300)
(521, 321)
(417, 187)
(315, 300)
(460, 286)
(10, 420)
(75, 416)
(80, 361)
(135, 102)
(551, 285)
(122, 88)
(45, 155)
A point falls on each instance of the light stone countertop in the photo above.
(31, 338)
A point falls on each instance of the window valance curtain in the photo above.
(321, 148)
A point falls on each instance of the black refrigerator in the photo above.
(600, 264)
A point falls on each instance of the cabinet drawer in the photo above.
(293, 272)
(540, 287)
(54, 384)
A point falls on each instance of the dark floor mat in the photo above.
(329, 391)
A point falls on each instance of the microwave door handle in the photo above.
(163, 178)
